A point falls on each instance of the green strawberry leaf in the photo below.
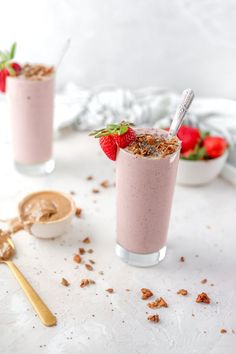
(204, 134)
(10, 69)
(12, 51)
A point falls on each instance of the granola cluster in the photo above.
(203, 297)
(146, 293)
(153, 146)
(36, 72)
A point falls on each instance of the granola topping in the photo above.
(78, 212)
(223, 330)
(203, 297)
(105, 184)
(36, 72)
(182, 292)
(146, 293)
(86, 240)
(182, 259)
(88, 266)
(110, 290)
(81, 251)
(64, 282)
(204, 281)
(148, 145)
(77, 258)
(86, 282)
(158, 303)
(153, 318)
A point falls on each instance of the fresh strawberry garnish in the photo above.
(123, 140)
(7, 67)
(109, 146)
(215, 146)
(189, 137)
(114, 135)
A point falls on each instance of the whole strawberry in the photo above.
(7, 68)
(113, 136)
(215, 146)
(189, 137)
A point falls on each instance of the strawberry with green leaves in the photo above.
(113, 136)
(7, 67)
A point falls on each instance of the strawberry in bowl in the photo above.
(202, 156)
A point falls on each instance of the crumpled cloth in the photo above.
(84, 109)
(88, 109)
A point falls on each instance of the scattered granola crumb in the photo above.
(204, 281)
(233, 331)
(88, 266)
(95, 190)
(146, 293)
(105, 184)
(212, 284)
(64, 282)
(182, 292)
(158, 303)
(127, 289)
(223, 330)
(86, 282)
(72, 193)
(182, 259)
(81, 251)
(203, 297)
(77, 258)
(90, 251)
(78, 212)
(89, 178)
(153, 318)
(86, 240)
(91, 261)
(110, 290)
(193, 315)
(101, 272)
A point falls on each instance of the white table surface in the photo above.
(92, 321)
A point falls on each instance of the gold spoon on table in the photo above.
(7, 250)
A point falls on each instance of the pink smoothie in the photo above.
(145, 187)
(31, 113)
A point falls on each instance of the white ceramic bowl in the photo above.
(196, 173)
(54, 228)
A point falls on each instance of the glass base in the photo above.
(36, 169)
(139, 259)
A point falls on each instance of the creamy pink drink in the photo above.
(145, 186)
(31, 104)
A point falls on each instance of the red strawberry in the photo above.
(189, 137)
(3, 75)
(109, 146)
(16, 67)
(215, 146)
(123, 140)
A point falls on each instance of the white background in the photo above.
(129, 43)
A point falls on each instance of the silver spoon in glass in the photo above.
(186, 100)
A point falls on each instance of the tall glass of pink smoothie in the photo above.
(31, 105)
(145, 186)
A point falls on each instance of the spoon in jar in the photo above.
(186, 100)
(7, 250)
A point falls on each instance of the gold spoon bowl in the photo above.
(7, 251)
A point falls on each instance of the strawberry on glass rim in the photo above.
(7, 67)
(113, 136)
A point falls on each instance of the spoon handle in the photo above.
(45, 315)
(186, 100)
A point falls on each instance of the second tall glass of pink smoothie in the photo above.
(31, 105)
(145, 187)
